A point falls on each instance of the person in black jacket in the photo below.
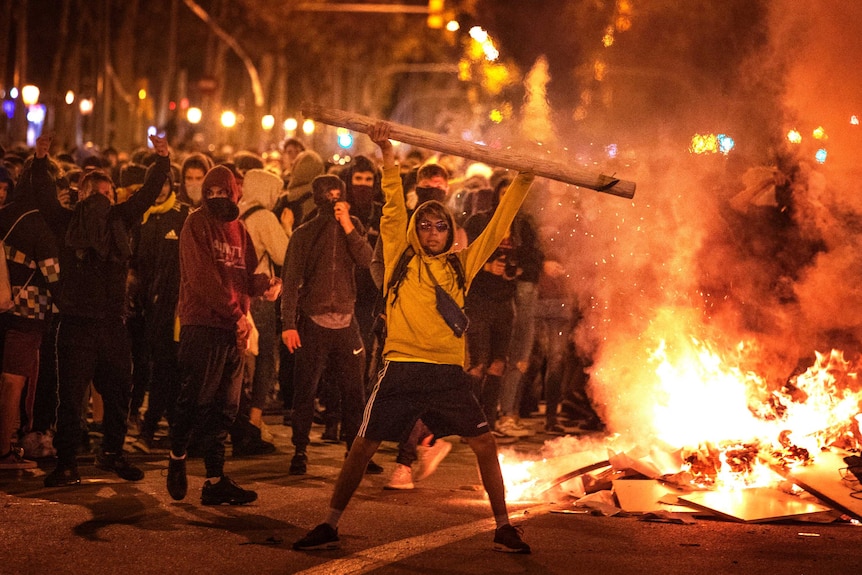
(92, 341)
(318, 312)
(155, 275)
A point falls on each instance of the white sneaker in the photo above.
(402, 478)
(430, 458)
(510, 427)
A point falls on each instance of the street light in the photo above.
(267, 122)
(228, 119)
(308, 127)
(29, 94)
(194, 115)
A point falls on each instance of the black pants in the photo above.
(211, 381)
(96, 350)
(340, 350)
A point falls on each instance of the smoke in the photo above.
(755, 252)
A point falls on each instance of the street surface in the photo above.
(444, 526)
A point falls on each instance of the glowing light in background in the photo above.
(267, 122)
(703, 144)
(608, 38)
(142, 94)
(611, 150)
(85, 106)
(308, 127)
(228, 119)
(345, 138)
(496, 116)
(290, 125)
(794, 137)
(854, 120)
(194, 115)
(484, 41)
(819, 133)
(820, 156)
(70, 97)
(725, 143)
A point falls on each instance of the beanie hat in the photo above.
(307, 166)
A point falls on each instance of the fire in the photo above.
(725, 425)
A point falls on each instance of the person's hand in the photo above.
(379, 134)
(43, 144)
(496, 267)
(342, 215)
(290, 337)
(274, 289)
(64, 197)
(243, 332)
(160, 145)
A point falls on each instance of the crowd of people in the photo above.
(208, 288)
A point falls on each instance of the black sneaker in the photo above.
(322, 537)
(178, 484)
(62, 476)
(330, 434)
(508, 540)
(299, 464)
(226, 491)
(373, 468)
(116, 463)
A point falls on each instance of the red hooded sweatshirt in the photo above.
(217, 263)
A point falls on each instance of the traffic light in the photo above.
(435, 14)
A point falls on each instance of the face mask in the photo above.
(362, 198)
(223, 209)
(194, 191)
(426, 193)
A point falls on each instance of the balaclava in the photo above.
(223, 209)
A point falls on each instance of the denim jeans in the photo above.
(523, 333)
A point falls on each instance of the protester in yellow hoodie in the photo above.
(423, 374)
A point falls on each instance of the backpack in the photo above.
(7, 299)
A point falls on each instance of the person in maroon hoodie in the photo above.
(217, 282)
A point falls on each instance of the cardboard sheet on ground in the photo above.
(756, 505)
(823, 480)
(648, 495)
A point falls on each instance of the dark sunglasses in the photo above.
(440, 226)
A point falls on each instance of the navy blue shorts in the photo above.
(439, 395)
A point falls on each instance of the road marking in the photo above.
(368, 560)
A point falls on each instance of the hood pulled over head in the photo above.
(224, 208)
(438, 211)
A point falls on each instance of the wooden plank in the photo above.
(823, 479)
(502, 158)
(756, 505)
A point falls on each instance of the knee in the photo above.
(497, 367)
(482, 444)
(477, 372)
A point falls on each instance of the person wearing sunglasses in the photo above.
(423, 372)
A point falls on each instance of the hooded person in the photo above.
(423, 377)
(192, 173)
(318, 312)
(259, 192)
(298, 197)
(217, 283)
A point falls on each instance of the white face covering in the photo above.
(194, 192)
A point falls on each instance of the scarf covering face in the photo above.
(222, 209)
(92, 228)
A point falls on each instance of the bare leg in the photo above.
(353, 471)
(10, 399)
(485, 448)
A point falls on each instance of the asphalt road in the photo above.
(109, 526)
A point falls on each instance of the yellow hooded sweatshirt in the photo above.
(415, 329)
